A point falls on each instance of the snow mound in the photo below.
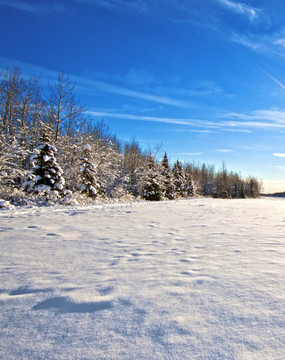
(5, 205)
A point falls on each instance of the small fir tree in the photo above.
(46, 175)
(236, 192)
(242, 191)
(189, 185)
(167, 178)
(179, 179)
(152, 188)
(88, 174)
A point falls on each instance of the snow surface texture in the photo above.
(189, 279)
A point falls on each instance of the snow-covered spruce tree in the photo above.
(167, 179)
(152, 188)
(179, 179)
(88, 173)
(46, 175)
(242, 190)
(254, 188)
(189, 185)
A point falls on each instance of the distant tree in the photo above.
(242, 190)
(222, 183)
(11, 79)
(88, 174)
(254, 188)
(152, 188)
(189, 182)
(189, 185)
(179, 179)
(64, 109)
(133, 166)
(167, 179)
(11, 162)
(207, 180)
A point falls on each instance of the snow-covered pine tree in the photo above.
(88, 173)
(189, 185)
(46, 175)
(236, 192)
(242, 190)
(179, 179)
(167, 178)
(253, 188)
(152, 188)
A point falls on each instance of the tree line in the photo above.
(51, 150)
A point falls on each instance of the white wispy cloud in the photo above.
(256, 147)
(258, 119)
(253, 124)
(39, 7)
(137, 5)
(239, 131)
(275, 80)
(190, 154)
(263, 43)
(241, 8)
(279, 154)
(198, 131)
(244, 121)
(224, 150)
(280, 168)
(90, 86)
(141, 118)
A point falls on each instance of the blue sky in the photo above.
(204, 78)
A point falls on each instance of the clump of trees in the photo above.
(51, 151)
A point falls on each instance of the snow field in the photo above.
(190, 279)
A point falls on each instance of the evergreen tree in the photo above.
(179, 179)
(167, 178)
(253, 188)
(88, 175)
(242, 191)
(189, 185)
(46, 175)
(152, 188)
(236, 193)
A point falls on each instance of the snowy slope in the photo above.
(193, 279)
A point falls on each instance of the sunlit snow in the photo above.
(189, 279)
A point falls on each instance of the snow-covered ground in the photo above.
(190, 279)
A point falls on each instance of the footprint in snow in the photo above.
(106, 290)
(3, 228)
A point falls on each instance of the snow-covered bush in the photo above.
(5, 205)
